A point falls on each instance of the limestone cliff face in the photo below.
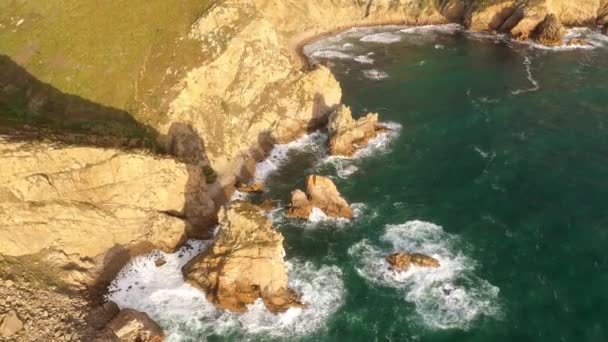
(81, 209)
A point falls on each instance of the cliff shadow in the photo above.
(32, 110)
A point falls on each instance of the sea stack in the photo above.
(402, 261)
(321, 193)
(347, 134)
(245, 262)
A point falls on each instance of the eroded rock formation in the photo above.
(321, 193)
(347, 134)
(403, 261)
(84, 211)
(550, 31)
(245, 262)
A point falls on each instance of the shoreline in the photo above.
(298, 42)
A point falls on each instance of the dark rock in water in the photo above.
(402, 261)
(605, 29)
(550, 32)
(159, 262)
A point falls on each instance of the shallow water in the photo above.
(496, 167)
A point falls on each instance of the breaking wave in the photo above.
(450, 296)
(185, 314)
(313, 142)
(375, 74)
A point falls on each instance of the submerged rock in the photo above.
(245, 262)
(10, 324)
(550, 31)
(321, 193)
(402, 261)
(576, 42)
(346, 134)
(133, 326)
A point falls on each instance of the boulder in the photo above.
(134, 326)
(346, 134)
(255, 187)
(550, 32)
(402, 261)
(321, 193)
(245, 262)
(605, 29)
(300, 206)
(11, 324)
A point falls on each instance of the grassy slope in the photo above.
(113, 53)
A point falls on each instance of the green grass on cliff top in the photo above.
(106, 52)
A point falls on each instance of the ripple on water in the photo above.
(184, 312)
(447, 297)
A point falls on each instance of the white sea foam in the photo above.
(425, 29)
(278, 155)
(185, 314)
(375, 74)
(364, 59)
(450, 296)
(381, 38)
(530, 76)
(331, 54)
(380, 144)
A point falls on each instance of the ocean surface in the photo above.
(496, 163)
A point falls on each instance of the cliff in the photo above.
(145, 113)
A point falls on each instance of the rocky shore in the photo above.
(73, 213)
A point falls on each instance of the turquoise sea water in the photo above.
(498, 169)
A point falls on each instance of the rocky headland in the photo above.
(114, 145)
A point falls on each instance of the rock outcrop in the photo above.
(521, 18)
(321, 193)
(347, 134)
(245, 262)
(133, 326)
(550, 32)
(254, 187)
(402, 261)
(84, 211)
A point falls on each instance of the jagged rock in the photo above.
(255, 187)
(550, 31)
(402, 261)
(300, 206)
(267, 205)
(11, 324)
(346, 134)
(134, 326)
(245, 262)
(321, 193)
